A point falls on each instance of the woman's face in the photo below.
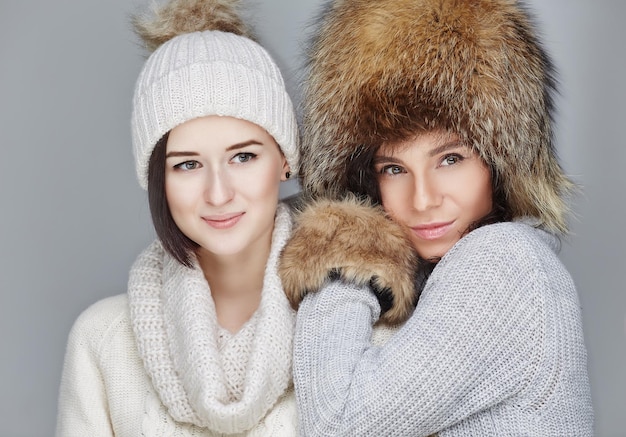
(436, 186)
(222, 178)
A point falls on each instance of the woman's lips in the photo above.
(432, 231)
(224, 221)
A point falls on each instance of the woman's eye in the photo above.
(188, 165)
(244, 157)
(391, 170)
(451, 159)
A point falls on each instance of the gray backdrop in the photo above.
(73, 217)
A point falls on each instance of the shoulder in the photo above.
(96, 323)
(507, 241)
(104, 312)
(513, 255)
(498, 268)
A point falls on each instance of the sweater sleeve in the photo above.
(470, 344)
(82, 406)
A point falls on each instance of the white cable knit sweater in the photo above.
(155, 362)
(494, 348)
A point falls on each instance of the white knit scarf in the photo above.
(175, 324)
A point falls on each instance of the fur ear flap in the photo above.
(357, 242)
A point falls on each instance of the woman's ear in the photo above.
(286, 171)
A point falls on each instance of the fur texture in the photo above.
(384, 70)
(359, 243)
(185, 16)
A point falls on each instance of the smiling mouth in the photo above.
(223, 222)
(432, 231)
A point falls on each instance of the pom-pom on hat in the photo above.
(386, 70)
(205, 63)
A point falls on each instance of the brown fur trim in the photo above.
(357, 240)
(177, 17)
(385, 70)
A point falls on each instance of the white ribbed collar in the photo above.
(173, 317)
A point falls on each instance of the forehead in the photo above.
(216, 130)
(426, 140)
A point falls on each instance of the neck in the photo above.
(236, 282)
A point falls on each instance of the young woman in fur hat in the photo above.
(201, 344)
(440, 112)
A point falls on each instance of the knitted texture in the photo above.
(210, 73)
(494, 348)
(158, 364)
(176, 327)
(106, 392)
(234, 350)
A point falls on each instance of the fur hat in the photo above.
(384, 70)
(205, 63)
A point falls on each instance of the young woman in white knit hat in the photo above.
(439, 111)
(201, 343)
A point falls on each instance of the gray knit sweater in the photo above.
(494, 348)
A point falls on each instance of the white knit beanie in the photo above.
(210, 73)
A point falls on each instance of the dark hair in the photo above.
(360, 174)
(174, 241)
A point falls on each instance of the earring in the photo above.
(287, 175)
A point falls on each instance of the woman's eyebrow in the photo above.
(244, 144)
(449, 145)
(176, 153)
(454, 144)
(382, 158)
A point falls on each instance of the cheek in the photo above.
(170, 193)
(178, 193)
(394, 199)
(262, 183)
(478, 194)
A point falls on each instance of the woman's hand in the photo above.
(355, 242)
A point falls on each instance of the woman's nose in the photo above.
(425, 193)
(218, 190)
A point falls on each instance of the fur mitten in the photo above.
(355, 242)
